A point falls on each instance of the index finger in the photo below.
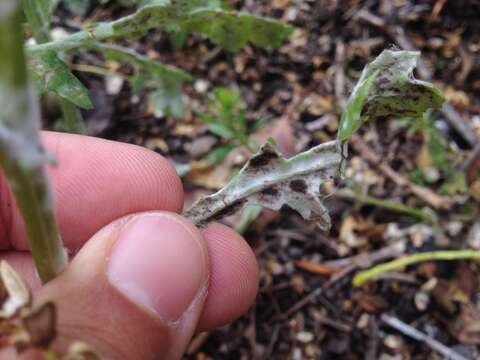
(96, 181)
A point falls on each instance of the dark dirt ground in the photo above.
(307, 307)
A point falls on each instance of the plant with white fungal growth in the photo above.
(386, 88)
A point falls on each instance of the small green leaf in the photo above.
(50, 73)
(387, 88)
(222, 131)
(216, 156)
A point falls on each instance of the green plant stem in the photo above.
(73, 121)
(92, 69)
(371, 274)
(39, 25)
(424, 215)
(21, 154)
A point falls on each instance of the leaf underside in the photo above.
(272, 181)
(387, 88)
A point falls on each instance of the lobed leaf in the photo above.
(50, 73)
(233, 30)
(387, 88)
(228, 28)
(272, 181)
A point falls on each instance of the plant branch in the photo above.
(21, 154)
(40, 26)
(374, 272)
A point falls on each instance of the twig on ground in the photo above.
(348, 265)
(318, 291)
(366, 260)
(413, 333)
(396, 264)
(333, 323)
(427, 195)
(273, 341)
(473, 156)
(251, 335)
(373, 339)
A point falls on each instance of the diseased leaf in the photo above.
(16, 289)
(164, 79)
(272, 181)
(231, 29)
(80, 7)
(387, 88)
(50, 73)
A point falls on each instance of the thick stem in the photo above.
(40, 26)
(21, 154)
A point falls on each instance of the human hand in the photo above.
(143, 279)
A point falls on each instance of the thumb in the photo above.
(135, 290)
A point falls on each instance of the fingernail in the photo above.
(159, 263)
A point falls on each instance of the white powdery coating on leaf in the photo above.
(271, 181)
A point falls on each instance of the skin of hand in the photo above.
(142, 279)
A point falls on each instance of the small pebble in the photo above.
(393, 341)
(422, 300)
(201, 86)
(363, 321)
(305, 337)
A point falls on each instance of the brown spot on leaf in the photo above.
(229, 210)
(365, 109)
(381, 82)
(263, 158)
(271, 191)
(298, 185)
